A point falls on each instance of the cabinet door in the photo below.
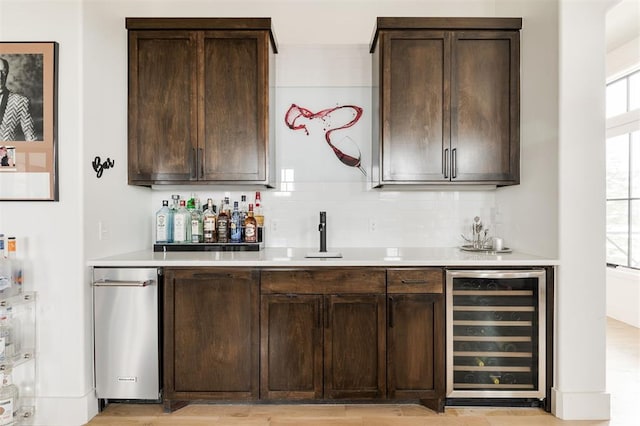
(415, 105)
(211, 334)
(162, 106)
(234, 106)
(485, 105)
(291, 347)
(354, 347)
(416, 348)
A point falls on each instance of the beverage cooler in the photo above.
(496, 335)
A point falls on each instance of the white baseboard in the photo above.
(580, 405)
(65, 411)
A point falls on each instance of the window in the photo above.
(623, 171)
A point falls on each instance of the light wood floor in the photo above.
(623, 383)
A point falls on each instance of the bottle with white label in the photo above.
(163, 223)
(181, 222)
(7, 337)
(9, 402)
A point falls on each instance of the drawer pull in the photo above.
(414, 281)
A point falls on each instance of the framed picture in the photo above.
(28, 121)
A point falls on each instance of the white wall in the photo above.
(58, 237)
(581, 321)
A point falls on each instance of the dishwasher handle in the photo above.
(122, 283)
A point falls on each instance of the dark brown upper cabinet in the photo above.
(446, 99)
(201, 93)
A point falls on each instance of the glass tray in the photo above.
(488, 250)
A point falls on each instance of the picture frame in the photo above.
(29, 121)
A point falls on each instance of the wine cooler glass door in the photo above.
(496, 334)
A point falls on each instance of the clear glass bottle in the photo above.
(9, 400)
(235, 226)
(209, 222)
(197, 232)
(163, 224)
(175, 203)
(250, 227)
(9, 345)
(180, 223)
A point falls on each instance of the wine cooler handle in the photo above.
(391, 312)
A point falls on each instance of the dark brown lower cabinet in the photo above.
(211, 334)
(291, 346)
(323, 334)
(416, 336)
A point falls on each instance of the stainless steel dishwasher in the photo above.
(126, 333)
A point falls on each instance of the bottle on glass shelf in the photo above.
(9, 402)
(9, 345)
(235, 226)
(250, 227)
(209, 223)
(181, 220)
(15, 266)
(259, 215)
(222, 225)
(163, 223)
(197, 232)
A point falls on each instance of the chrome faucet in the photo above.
(323, 232)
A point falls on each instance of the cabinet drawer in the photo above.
(323, 281)
(419, 280)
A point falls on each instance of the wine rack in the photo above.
(496, 334)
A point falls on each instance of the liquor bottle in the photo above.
(222, 226)
(191, 202)
(8, 400)
(250, 227)
(235, 227)
(180, 221)
(5, 272)
(8, 344)
(16, 267)
(209, 222)
(197, 233)
(163, 223)
(259, 215)
(244, 212)
(175, 203)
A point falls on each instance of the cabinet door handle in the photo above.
(454, 163)
(391, 312)
(201, 152)
(194, 164)
(318, 314)
(327, 317)
(446, 163)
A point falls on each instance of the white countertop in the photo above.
(295, 257)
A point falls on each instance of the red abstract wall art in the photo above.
(333, 119)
